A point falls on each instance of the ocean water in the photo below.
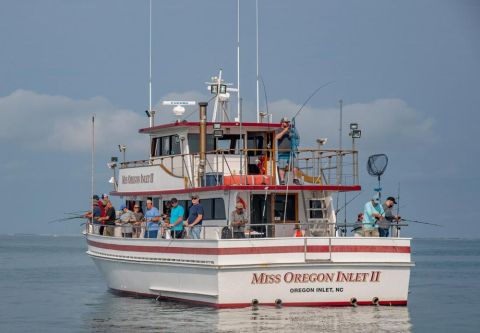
(49, 284)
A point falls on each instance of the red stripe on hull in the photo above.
(243, 305)
(344, 188)
(253, 250)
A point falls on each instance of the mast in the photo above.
(258, 87)
(238, 59)
(150, 113)
(93, 164)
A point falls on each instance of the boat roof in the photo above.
(182, 124)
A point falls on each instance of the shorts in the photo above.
(370, 232)
(283, 160)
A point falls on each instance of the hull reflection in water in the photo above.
(111, 312)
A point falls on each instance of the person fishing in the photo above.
(286, 154)
(389, 218)
(372, 213)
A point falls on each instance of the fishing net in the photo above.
(377, 164)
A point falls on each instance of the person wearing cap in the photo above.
(126, 219)
(284, 146)
(101, 206)
(372, 213)
(109, 219)
(384, 224)
(176, 219)
(137, 225)
(195, 217)
(238, 219)
(152, 216)
(94, 214)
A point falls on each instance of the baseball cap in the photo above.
(284, 120)
(392, 199)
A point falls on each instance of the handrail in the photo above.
(304, 226)
(316, 166)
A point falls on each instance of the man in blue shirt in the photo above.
(176, 219)
(94, 214)
(372, 213)
(195, 218)
(152, 215)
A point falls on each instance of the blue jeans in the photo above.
(383, 232)
(195, 231)
(151, 234)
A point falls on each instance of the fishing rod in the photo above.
(310, 97)
(421, 222)
(341, 208)
(67, 219)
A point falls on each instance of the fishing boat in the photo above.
(294, 253)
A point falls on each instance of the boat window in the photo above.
(279, 207)
(166, 145)
(194, 143)
(229, 143)
(175, 144)
(219, 209)
(214, 209)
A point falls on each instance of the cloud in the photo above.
(47, 122)
(383, 121)
(60, 123)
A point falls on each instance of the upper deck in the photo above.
(237, 155)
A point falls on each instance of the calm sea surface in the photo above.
(48, 284)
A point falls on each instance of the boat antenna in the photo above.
(398, 199)
(150, 113)
(376, 166)
(258, 86)
(310, 97)
(265, 94)
(93, 163)
(238, 59)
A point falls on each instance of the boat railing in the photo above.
(254, 230)
(258, 166)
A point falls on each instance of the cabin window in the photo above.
(214, 208)
(194, 143)
(229, 143)
(166, 145)
(279, 207)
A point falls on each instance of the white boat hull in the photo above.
(238, 273)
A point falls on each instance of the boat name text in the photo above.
(140, 179)
(290, 277)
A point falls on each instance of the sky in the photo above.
(407, 72)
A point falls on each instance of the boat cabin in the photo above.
(230, 162)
